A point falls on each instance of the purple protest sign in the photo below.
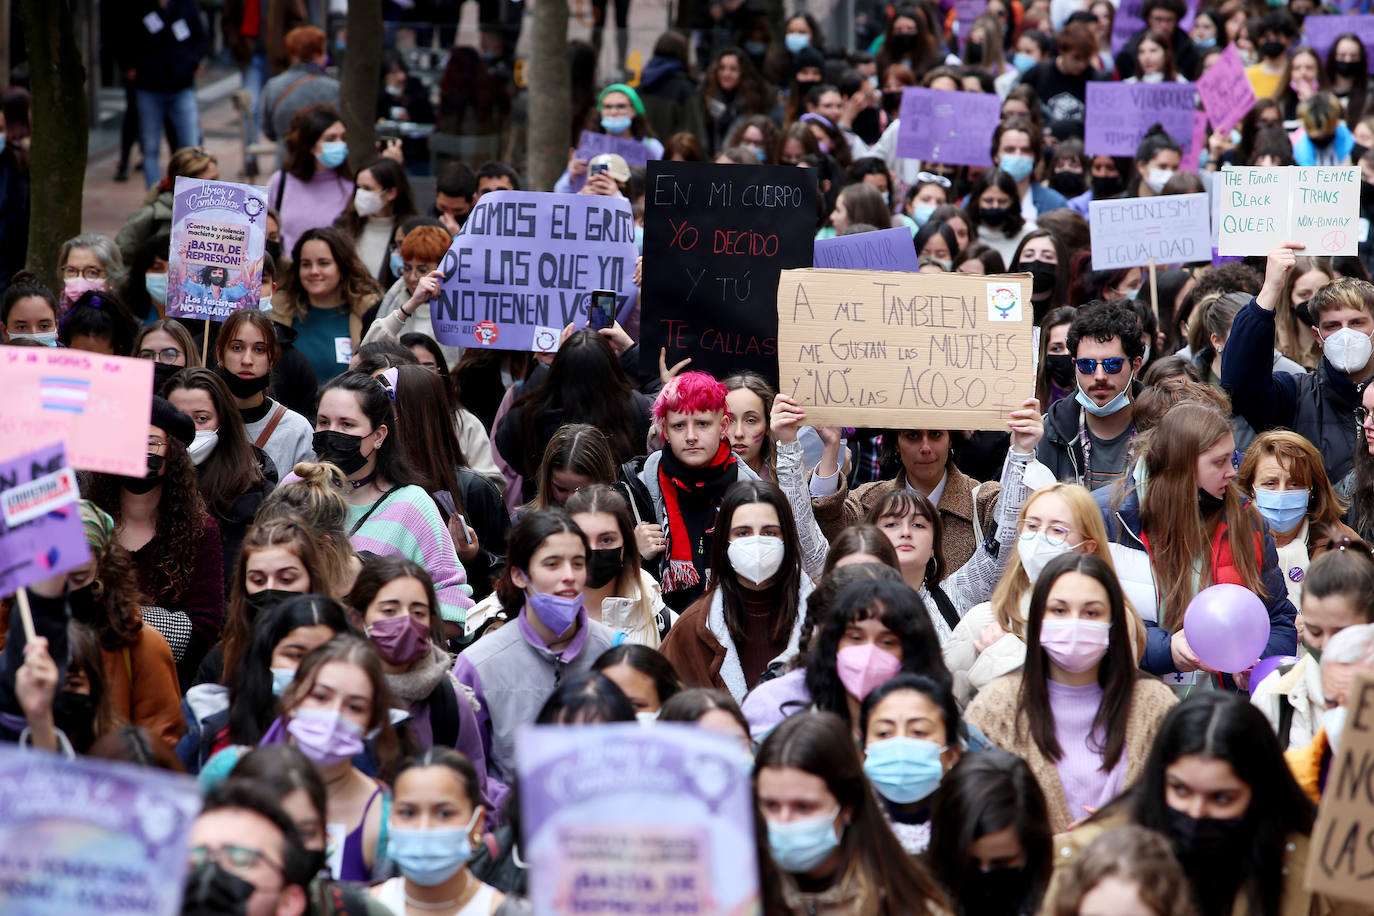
(1321, 32)
(949, 127)
(92, 836)
(1119, 114)
(40, 525)
(525, 265)
(1226, 91)
(219, 230)
(1192, 154)
(965, 12)
(626, 819)
(886, 249)
(634, 152)
(1129, 20)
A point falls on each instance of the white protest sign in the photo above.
(1262, 208)
(1132, 231)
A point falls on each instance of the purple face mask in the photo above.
(324, 736)
(400, 639)
(555, 611)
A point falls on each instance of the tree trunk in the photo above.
(60, 126)
(550, 96)
(361, 79)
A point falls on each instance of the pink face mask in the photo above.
(1075, 645)
(400, 639)
(861, 668)
(76, 287)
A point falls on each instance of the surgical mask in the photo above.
(1022, 62)
(1348, 350)
(325, 736)
(639, 239)
(757, 557)
(1060, 368)
(400, 639)
(616, 125)
(1115, 405)
(1157, 179)
(861, 668)
(396, 263)
(1204, 44)
(604, 565)
(1036, 549)
(339, 449)
(333, 154)
(647, 717)
(281, 679)
(367, 203)
(1131, 295)
(904, 770)
(755, 48)
(796, 41)
(156, 285)
(922, 213)
(201, 447)
(759, 154)
(76, 287)
(1016, 165)
(799, 846)
(1075, 645)
(557, 612)
(945, 264)
(1333, 720)
(1284, 510)
(244, 388)
(430, 857)
(46, 338)
(1105, 186)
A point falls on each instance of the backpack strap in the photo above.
(277, 101)
(373, 508)
(1285, 728)
(443, 714)
(277, 413)
(945, 606)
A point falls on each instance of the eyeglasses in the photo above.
(155, 444)
(90, 273)
(239, 858)
(165, 355)
(1057, 533)
(417, 270)
(932, 178)
(1111, 365)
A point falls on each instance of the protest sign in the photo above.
(1119, 114)
(715, 237)
(898, 351)
(1226, 91)
(886, 249)
(1132, 231)
(91, 836)
(1264, 207)
(525, 265)
(1340, 859)
(1321, 32)
(943, 125)
(965, 13)
(1129, 19)
(97, 406)
(219, 230)
(623, 820)
(1192, 155)
(40, 526)
(592, 143)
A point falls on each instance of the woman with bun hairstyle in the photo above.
(316, 496)
(248, 349)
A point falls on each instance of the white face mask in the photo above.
(367, 203)
(1348, 350)
(647, 717)
(757, 557)
(1036, 550)
(1157, 179)
(203, 445)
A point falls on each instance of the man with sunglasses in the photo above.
(1088, 437)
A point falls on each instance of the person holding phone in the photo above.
(608, 174)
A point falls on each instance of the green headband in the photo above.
(100, 528)
(629, 93)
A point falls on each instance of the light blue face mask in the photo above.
(398, 264)
(1022, 62)
(332, 154)
(1115, 405)
(796, 42)
(281, 679)
(755, 48)
(1016, 165)
(1130, 293)
(799, 846)
(922, 213)
(904, 770)
(1204, 44)
(156, 285)
(639, 239)
(760, 154)
(430, 857)
(616, 125)
(1284, 510)
(46, 338)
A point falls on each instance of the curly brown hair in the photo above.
(123, 618)
(180, 524)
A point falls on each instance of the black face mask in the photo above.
(1199, 839)
(1346, 67)
(1105, 186)
(212, 891)
(1357, 153)
(1322, 142)
(1272, 49)
(892, 101)
(1060, 368)
(903, 44)
(604, 565)
(339, 449)
(1208, 503)
(1042, 276)
(867, 126)
(315, 860)
(994, 216)
(86, 606)
(244, 388)
(141, 485)
(162, 374)
(973, 53)
(1070, 184)
(995, 892)
(1366, 194)
(265, 600)
(274, 249)
(74, 713)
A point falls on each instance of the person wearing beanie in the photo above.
(621, 114)
(161, 520)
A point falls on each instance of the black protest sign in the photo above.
(715, 239)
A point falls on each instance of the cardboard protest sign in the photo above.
(1129, 232)
(97, 406)
(1321, 32)
(942, 125)
(525, 265)
(593, 143)
(865, 348)
(715, 237)
(1129, 20)
(1264, 207)
(623, 819)
(1340, 859)
(1119, 114)
(40, 526)
(91, 836)
(1226, 91)
(219, 230)
(886, 249)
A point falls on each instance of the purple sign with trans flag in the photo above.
(949, 127)
(525, 265)
(634, 152)
(1119, 114)
(1321, 32)
(40, 525)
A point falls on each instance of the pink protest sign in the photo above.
(97, 406)
(1192, 156)
(1226, 91)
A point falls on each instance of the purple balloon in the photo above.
(1268, 666)
(1227, 627)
